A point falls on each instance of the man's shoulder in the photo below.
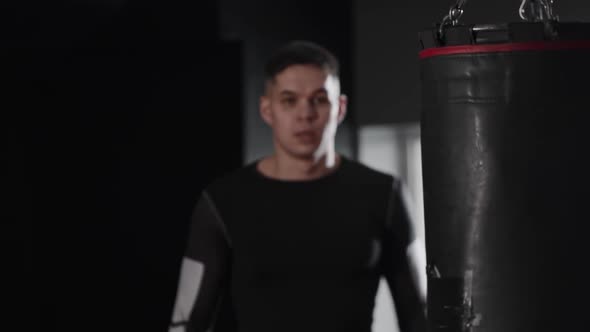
(231, 180)
(367, 174)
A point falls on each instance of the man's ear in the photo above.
(342, 107)
(265, 111)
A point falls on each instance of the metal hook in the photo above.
(455, 13)
(541, 10)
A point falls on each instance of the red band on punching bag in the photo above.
(507, 47)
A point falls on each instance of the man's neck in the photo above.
(285, 167)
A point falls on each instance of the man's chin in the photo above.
(314, 155)
(304, 151)
(306, 154)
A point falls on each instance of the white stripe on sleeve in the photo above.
(191, 276)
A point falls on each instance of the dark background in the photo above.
(117, 113)
(128, 109)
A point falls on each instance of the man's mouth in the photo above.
(306, 135)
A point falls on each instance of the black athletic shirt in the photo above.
(298, 255)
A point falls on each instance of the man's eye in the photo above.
(288, 101)
(321, 100)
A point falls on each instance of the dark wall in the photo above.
(386, 63)
(126, 110)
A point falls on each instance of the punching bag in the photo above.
(505, 130)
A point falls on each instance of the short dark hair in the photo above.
(301, 52)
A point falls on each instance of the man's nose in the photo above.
(307, 111)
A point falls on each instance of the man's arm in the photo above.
(402, 263)
(204, 270)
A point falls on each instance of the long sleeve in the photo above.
(401, 263)
(204, 270)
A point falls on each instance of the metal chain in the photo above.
(455, 13)
(538, 10)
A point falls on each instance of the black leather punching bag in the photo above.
(505, 133)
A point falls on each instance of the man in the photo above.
(297, 241)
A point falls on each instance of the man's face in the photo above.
(303, 106)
